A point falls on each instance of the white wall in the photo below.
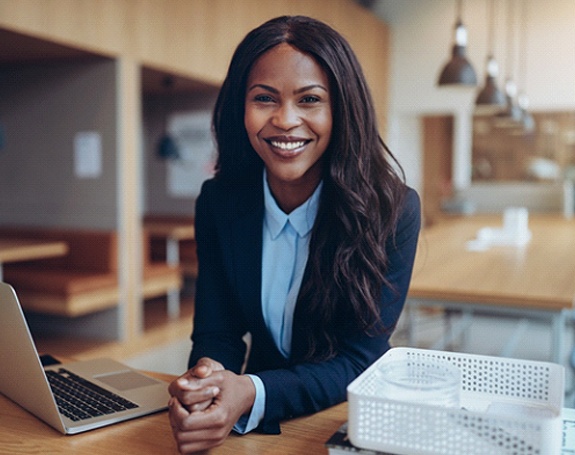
(421, 44)
(42, 108)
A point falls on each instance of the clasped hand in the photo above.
(205, 403)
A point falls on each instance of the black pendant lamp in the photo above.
(167, 148)
(515, 115)
(458, 70)
(490, 95)
(511, 115)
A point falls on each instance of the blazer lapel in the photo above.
(246, 237)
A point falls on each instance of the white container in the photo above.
(516, 222)
(508, 406)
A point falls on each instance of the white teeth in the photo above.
(288, 145)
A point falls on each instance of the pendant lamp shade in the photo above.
(527, 120)
(458, 70)
(510, 116)
(490, 93)
(167, 148)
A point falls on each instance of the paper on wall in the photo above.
(192, 133)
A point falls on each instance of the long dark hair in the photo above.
(363, 183)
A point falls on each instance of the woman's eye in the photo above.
(310, 99)
(263, 98)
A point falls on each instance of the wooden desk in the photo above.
(22, 433)
(173, 230)
(13, 250)
(536, 280)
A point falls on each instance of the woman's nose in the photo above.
(286, 117)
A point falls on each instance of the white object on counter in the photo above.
(568, 198)
(515, 231)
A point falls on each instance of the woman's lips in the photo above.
(287, 147)
(291, 145)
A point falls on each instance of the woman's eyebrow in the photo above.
(265, 87)
(310, 87)
(299, 90)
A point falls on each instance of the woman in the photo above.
(306, 239)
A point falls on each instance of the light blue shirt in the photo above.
(284, 256)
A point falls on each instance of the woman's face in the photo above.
(288, 118)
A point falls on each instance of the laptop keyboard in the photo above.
(79, 399)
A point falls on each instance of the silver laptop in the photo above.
(113, 392)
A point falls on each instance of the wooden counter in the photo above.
(22, 433)
(534, 280)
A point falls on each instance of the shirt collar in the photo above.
(301, 219)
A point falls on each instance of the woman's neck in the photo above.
(290, 196)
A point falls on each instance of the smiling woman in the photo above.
(306, 238)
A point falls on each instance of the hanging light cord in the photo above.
(490, 37)
(510, 40)
(523, 46)
(460, 30)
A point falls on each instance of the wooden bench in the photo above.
(83, 281)
(86, 279)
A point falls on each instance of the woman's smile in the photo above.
(287, 147)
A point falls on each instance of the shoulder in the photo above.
(411, 202)
(409, 221)
(229, 199)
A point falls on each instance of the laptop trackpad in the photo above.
(126, 380)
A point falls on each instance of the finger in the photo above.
(199, 400)
(183, 421)
(200, 406)
(196, 397)
(191, 383)
(205, 367)
(180, 383)
(212, 364)
(177, 414)
(188, 441)
(197, 441)
(202, 369)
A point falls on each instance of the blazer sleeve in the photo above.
(219, 326)
(309, 387)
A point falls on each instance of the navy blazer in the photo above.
(228, 305)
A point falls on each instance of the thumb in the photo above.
(205, 367)
(182, 382)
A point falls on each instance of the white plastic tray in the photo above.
(508, 406)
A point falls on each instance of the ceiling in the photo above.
(20, 49)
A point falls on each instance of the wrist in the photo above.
(248, 394)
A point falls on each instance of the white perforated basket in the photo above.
(508, 406)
